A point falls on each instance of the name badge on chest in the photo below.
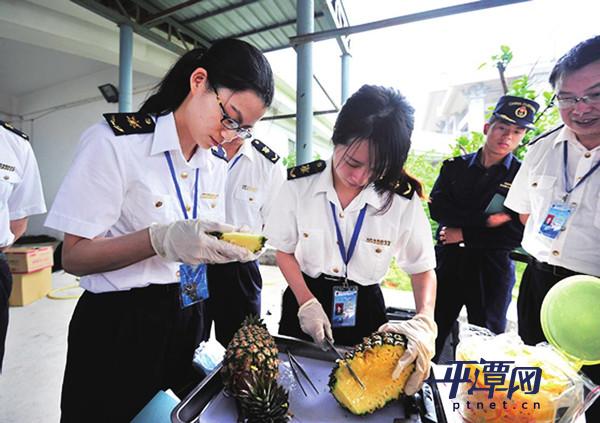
(343, 313)
(556, 219)
(193, 286)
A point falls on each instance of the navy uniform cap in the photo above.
(517, 110)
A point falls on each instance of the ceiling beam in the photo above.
(219, 11)
(400, 20)
(115, 16)
(203, 41)
(268, 28)
(160, 16)
(293, 115)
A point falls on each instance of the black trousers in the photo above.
(125, 346)
(537, 281)
(370, 310)
(480, 279)
(5, 289)
(234, 290)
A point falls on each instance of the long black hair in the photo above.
(229, 63)
(384, 118)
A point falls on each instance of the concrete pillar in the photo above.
(304, 116)
(125, 67)
(346, 57)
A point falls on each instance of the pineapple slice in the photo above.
(373, 361)
(252, 242)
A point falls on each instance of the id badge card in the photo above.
(556, 219)
(343, 313)
(193, 286)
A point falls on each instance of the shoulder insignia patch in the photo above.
(11, 128)
(265, 150)
(130, 123)
(219, 153)
(544, 135)
(306, 169)
(404, 189)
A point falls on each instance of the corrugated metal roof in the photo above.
(180, 25)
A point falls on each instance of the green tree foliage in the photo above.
(521, 87)
(426, 166)
(290, 159)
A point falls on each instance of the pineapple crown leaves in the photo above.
(253, 319)
(263, 400)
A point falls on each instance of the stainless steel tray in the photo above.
(207, 403)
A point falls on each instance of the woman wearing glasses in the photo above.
(135, 207)
(340, 222)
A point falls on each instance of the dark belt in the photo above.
(554, 270)
(150, 291)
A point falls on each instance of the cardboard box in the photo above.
(29, 287)
(29, 259)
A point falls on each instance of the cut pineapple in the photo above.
(252, 242)
(373, 361)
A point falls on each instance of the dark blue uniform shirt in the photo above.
(462, 192)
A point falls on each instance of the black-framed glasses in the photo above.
(230, 123)
(592, 99)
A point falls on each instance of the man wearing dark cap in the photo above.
(476, 233)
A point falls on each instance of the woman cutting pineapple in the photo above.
(136, 207)
(337, 224)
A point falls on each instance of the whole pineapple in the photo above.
(251, 350)
(373, 361)
(249, 372)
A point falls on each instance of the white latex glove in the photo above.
(314, 322)
(187, 241)
(420, 332)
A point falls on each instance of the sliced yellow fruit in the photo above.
(252, 242)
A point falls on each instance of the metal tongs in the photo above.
(297, 367)
(341, 357)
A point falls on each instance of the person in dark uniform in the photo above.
(254, 176)
(475, 233)
(20, 196)
(338, 224)
(137, 230)
(561, 171)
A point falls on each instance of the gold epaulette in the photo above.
(11, 128)
(130, 123)
(306, 169)
(404, 189)
(265, 150)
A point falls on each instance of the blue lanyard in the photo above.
(237, 159)
(172, 169)
(568, 187)
(346, 256)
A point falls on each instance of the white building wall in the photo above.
(55, 117)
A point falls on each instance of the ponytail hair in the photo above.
(384, 117)
(229, 63)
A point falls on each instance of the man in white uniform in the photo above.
(20, 196)
(557, 192)
(254, 176)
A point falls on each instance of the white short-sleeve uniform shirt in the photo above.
(20, 185)
(540, 182)
(301, 223)
(254, 177)
(122, 184)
